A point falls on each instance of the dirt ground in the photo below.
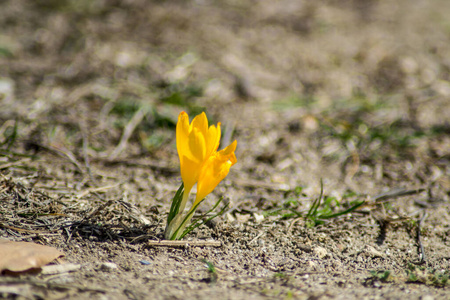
(352, 93)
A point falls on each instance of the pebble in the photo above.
(258, 218)
(320, 252)
(372, 252)
(108, 266)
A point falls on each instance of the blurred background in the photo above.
(353, 91)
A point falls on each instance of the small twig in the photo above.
(135, 213)
(257, 237)
(98, 189)
(292, 224)
(236, 206)
(183, 244)
(423, 257)
(134, 240)
(355, 164)
(100, 208)
(85, 153)
(396, 193)
(22, 229)
(261, 184)
(128, 131)
(138, 164)
(69, 235)
(63, 153)
(14, 163)
(90, 88)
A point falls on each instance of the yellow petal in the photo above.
(229, 150)
(214, 170)
(191, 145)
(190, 163)
(182, 136)
(197, 145)
(212, 139)
(192, 138)
(201, 123)
(190, 171)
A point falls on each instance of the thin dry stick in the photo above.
(90, 89)
(183, 244)
(22, 229)
(355, 163)
(134, 212)
(396, 193)
(127, 132)
(100, 208)
(63, 153)
(423, 258)
(85, 153)
(14, 163)
(292, 224)
(67, 153)
(98, 189)
(140, 164)
(261, 184)
(257, 237)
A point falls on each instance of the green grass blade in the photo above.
(176, 202)
(313, 210)
(343, 212)
(185, 220)
(197, 222)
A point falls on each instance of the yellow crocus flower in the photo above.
(200, 162)
(196, 142)
(214, 170)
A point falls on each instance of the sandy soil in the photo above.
(352, 93)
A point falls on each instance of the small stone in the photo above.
(108, 266)
(320, 252)
(372, 252)
(230, 218)
(243, 219)
(322, 237)
(258, 218)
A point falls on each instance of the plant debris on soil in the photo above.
(340, 109)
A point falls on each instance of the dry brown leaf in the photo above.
(22, 256)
